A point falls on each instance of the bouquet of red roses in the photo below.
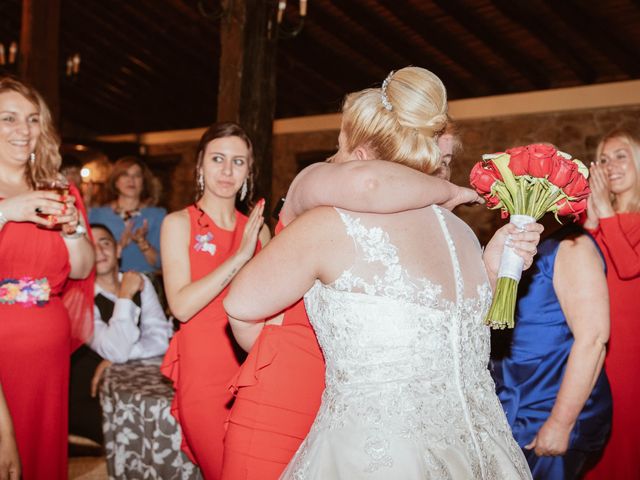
(525, 183)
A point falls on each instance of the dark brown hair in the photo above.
(221, 130)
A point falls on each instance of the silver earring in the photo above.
(200, 182)
(32, 158)
(243, 191)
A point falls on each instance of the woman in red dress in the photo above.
(42, 246)
(614, 221)
(203, 246)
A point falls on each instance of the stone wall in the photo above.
(574, 132)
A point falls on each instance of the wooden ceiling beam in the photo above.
(183, 41)
(413, 53)
(125, 80)
(295, 54)
(603, 38)
(360, 39)
(527, 14)
(296, 94)
(524, 64)
(433, 34)
(127, 45)
(316, 44)
(134, 38)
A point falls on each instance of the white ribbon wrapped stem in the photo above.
(511, 264)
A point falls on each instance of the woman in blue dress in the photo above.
(131, 215)
(551, 383)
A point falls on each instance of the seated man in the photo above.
(129, 324)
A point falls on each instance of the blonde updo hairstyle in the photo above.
(401, 121)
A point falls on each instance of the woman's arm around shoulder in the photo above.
(374, 186)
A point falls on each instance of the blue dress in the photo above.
(132, 258)
(528, 378)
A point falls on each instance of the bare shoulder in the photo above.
(176, 225)
(578, 252)
(318, 218)
(577, 245)
(314, 226)
(179, 218)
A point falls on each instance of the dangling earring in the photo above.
(32, 158)
(243, 191)
(200, 182)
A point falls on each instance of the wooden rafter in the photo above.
(484, 79)
(527, 14)
(519, 60)
(601, 37)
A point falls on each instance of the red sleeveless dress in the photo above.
(619, 239)
(278, 391)
(36, 341)
(203, 355)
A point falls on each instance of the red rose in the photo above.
(492, 166)
(482, 177)
(542, 149)
(563, 171)
(540, 160)
(519, 160)
(491, 200)
(578, 187)
(579, 206)
(571, 208)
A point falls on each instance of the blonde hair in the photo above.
(400, 121)
(633, 141)
(47, 154)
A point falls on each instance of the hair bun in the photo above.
(435, 126)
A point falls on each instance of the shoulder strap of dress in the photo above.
(457, 273)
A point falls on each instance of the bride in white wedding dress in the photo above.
(397, 302)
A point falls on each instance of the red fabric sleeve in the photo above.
(620, 236)
(77, 295)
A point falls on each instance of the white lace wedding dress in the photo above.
(408, 394)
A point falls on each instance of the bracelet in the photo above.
(79, 232)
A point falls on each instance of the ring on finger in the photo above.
(38, 210)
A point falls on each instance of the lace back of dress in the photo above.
(411, 256)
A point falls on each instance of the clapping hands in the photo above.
(138, 235)
(599, 203)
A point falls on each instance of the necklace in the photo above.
(127, 214)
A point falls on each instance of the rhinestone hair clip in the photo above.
(383, 94)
